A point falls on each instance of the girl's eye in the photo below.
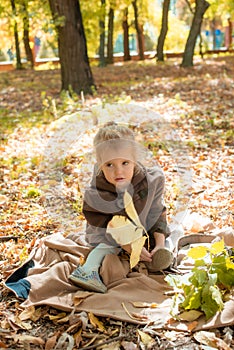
(109, 165)
(125, 163)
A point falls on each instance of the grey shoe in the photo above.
(87, 281)
(161, 260)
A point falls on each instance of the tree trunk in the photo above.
(102, 62)
(200, 9)
(110, 36)
(127, 56)
(139, 30)
(163, 31)
(28, 50)
(16, 35)
(213, 27)
(75, 69)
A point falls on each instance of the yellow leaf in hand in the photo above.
(136, 251)
(122, 230)
(130, 209)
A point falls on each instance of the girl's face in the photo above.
(118, 168)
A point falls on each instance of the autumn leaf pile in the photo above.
(197, 102)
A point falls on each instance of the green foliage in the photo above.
(208, 283)
(32, 192)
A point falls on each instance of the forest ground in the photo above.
(198, 103)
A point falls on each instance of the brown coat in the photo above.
(102, 202)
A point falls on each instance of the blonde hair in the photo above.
(112, 131)
(113, 135)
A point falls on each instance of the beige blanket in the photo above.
(55, 257)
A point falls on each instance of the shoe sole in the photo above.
(161, 260)
(86, 285)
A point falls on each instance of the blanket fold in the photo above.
(45, 275)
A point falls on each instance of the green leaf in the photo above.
(177, 281)
(226, 278)
(199, 262)
(212, 278)
(199, 277)
(209, 304)
(193, 299)
(190, 316)
(217, 296)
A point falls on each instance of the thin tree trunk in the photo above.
(163, 31)
(102, 62)
(200, 9)
(127, 56)
(213, 25)
(28, 50)
(76, 74)
(16, 35)
(110, 36)
(139, 30)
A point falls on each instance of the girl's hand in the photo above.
(145, 255)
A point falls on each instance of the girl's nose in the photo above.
(118, 170)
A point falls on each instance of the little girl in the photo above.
(118, 169)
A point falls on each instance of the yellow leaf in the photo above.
(27, 313)
(96, 323)
(134, 315)
(123, 230)
(197, 252)
(143, 304)
(229, 263)
(217, 247)
(137, 246)
(130, 209)
(30, 313)
(146, 338)
(58, 316)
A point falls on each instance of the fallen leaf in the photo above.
(210, 339)
(142, 304)
(146, 339)
(66, 341)
(50, 343)
(133, 315)
(3, 345)
(29, 339)
(30, 313)
(96, 322)
(190, 315)
(59, 316)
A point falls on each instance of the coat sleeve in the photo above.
(96, 224)
(157, 219)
